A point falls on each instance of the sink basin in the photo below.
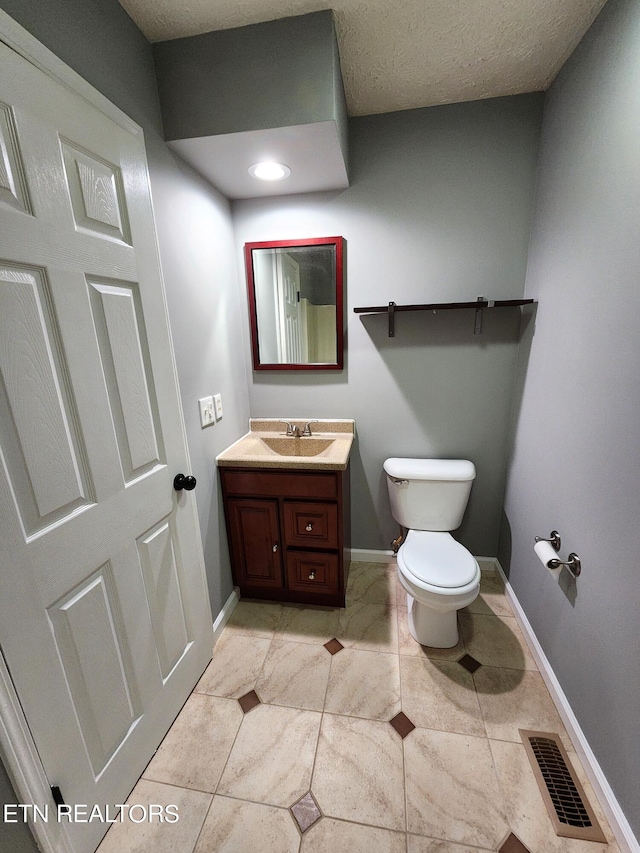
(266, 446)
(288, 446)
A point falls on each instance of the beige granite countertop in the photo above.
(266, 445)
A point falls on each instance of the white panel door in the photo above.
(104, 616)
(288, 291)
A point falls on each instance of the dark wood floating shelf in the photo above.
(478, 304)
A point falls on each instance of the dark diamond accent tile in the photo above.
(512, 844)
(249, 701)
(402, 724)
(334, 646)
(306, 812)
(469, 663)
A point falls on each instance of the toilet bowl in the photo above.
(428, 497)
(440, 577)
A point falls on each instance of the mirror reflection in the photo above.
(295, 296)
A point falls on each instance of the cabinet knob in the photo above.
(312, 576)
(309, 526)
(275, 548)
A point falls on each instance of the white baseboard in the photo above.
(488, 564)
(223, 617)
(617, 820)
(367, 555)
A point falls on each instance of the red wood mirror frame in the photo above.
(295, 290)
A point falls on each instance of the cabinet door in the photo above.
(255, 542)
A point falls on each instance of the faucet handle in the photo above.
(307, 429)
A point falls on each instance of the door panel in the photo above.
(49, 475)
(104, 616)
(13, 189)
(88, 633)
(97, 194)
(123, 351)
(162, 584)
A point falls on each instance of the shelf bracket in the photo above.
(392, 319)
(477, 326)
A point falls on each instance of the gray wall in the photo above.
(439, 209)
(576, 454)
(99, 41)
(274, 74)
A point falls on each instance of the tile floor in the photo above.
(309, 762)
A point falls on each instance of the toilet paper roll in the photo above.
(546, 552)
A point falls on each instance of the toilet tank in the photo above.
(429, 494)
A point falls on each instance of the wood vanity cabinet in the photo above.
(288, 531)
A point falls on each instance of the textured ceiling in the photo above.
(409, 53)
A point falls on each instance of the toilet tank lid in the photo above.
(430, 469)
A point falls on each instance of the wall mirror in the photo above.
(295, 303)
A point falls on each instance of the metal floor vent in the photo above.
(563, 795)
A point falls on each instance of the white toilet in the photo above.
(429, 497)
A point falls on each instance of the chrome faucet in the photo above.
(293, 430)
(307, 429)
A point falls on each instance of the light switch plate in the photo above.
(217, 402)
(207, 416)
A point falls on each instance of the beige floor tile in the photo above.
(408, 646)
(495, 641)
(272, 758)
(401, 593)
(300, 624)
(267, 759)
(254, 618)
(372, 627)
(438, 694)
(420, 844)
(526, 811)
(336, 836)
(161, 837)
(452, 790)
(235, 665)
(358, 772)
(196, 747)
(513, 699)
(295, 674)
(370, 583)
(233, 826)
(364, 684)
(492, 598)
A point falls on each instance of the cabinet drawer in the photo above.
(311, 525)
(312, 572)
(292, 484)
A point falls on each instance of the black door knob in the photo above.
(181, 482)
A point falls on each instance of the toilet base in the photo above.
(432, 627)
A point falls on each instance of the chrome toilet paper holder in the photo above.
(554, 539)
(573, 564)
(573, 561)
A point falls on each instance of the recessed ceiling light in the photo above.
(269, 171)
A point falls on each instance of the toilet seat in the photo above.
(436, 560)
